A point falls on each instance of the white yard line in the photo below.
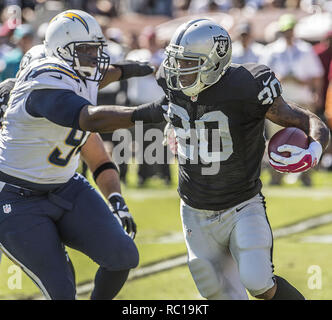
(182, 260)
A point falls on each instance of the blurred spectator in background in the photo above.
(5, 45)
(300, 72)
(328, 103)
(109, 8)
(203, 6)
(145, 89)
(23, 40)
(324, 52)
(116, 92)
(150, 7)
(296, 65)
(275, 4)
(245, 49)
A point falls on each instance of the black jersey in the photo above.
(221, 136)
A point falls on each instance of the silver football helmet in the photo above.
(207, 45)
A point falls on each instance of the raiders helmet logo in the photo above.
(223, 44)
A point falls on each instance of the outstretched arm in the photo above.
(125, 70)
(109, 118)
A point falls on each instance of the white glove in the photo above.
(300, 159)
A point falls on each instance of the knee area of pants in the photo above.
(255, 282)
(126, 257)
(132, 255)
(205, 277)
(64, 292)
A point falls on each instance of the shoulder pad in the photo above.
(268, 87)
(48, 73)
(257, 70)
(52, 69)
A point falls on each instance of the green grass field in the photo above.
(299, 257)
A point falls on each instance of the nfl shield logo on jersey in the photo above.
(7, 208)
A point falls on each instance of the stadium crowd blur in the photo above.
(293, 37)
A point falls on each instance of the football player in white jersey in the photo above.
(45, 204)
(93, 153)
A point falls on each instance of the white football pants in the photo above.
(229, 250)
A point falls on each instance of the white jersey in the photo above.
(33, 148)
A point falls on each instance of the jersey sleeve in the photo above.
(264, 89)
(59, 106)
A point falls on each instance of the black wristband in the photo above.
(103, 167)
(151, 112)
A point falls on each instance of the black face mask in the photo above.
(100, 62)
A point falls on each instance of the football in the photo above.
(292, 136)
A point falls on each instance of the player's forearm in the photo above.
(315, 127)
(113, 74)
(108, 182)
(109, 118)
(152, 112)
(124, 70)
(289, 114)
(105, 118)
(96, 156)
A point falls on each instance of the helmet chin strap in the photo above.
(195, 90)
(200, 86)
(84, 71)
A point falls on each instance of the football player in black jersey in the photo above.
(226, 229)
(217, 111)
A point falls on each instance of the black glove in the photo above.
(133, 69)
(121, 211)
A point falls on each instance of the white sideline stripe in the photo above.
(311, 193)
(142, 272)
(28, 272)
(182, 260)
(316, 194)
(303, 225)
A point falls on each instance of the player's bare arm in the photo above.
(125, 70)
(109, 118)
(94, 154)
(105, 118)
(107, 177)
(289, 114)
(112, 74)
